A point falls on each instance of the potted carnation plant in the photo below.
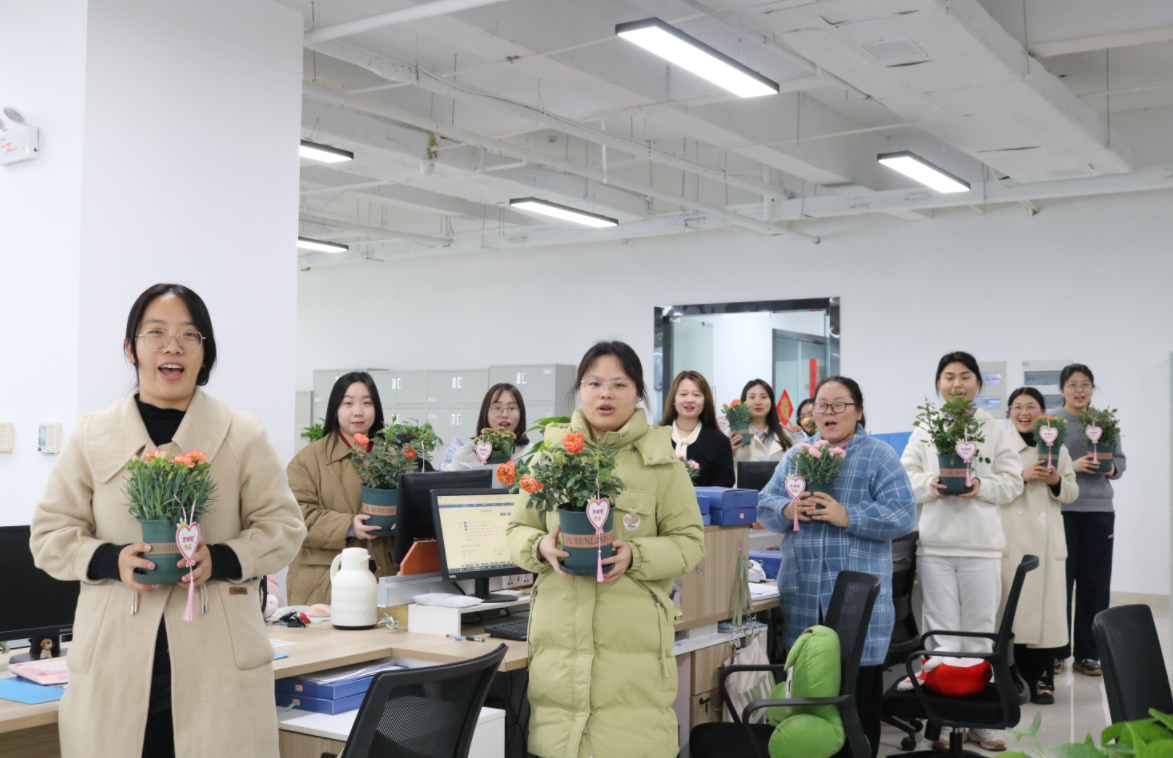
(1102, 430)
(499, 443)
(951, 430)
(164, 492)
(379, 470)
(1050, 431)
(737, 414)
(566, 478)
(818, 464)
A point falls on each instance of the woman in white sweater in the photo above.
(502, 408)
(959, 557)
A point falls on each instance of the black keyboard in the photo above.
(512, 630)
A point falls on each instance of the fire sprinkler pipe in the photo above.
(402, 16)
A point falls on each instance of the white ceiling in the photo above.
(548, 81)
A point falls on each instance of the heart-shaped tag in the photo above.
(596, 511)
(484, 450)
(966, 450)
(1049, 434)
(723, 423)
(795, 485)
(188, 539)
(1093, 433)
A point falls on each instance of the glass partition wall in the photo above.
(792, 344)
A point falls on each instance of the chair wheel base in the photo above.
(943, 754)
(908, 743)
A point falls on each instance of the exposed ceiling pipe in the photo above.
(402, 16)
(329, 223)
(535, 157)
(344, 187)
(404, 72)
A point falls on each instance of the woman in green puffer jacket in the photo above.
(602, 674)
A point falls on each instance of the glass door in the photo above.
(800, 363)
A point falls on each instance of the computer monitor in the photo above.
(35, 606)
(755, 475)
(470, 535)
(415, 503)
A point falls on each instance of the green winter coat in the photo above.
(602, 674)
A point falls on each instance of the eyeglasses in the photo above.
(825, 408)
(501, 410)
(1085, 386)
(619, 388)
(1021, 408)
(157, 340)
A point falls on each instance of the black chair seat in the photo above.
(984, 708)
(722, 740)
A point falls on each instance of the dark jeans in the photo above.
(869, 696)
(1037, 665)
(1089, 572)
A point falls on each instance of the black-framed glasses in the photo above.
(157, 340)
(825, 408)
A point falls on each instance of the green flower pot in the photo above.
(1042, 449)
(1105, 454)
(382, 506)
(164, 553)
(953, 474)
(742, 429)
(498, 458)
(580, 540)
(826, 489)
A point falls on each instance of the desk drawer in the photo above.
(706, 664)
(706, 708)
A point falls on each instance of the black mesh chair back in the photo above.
(755, 475)
(849, 614)
(1005, 639)
(423, 713)
(1134, 668)
(905, 634)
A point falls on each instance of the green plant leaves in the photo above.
(1085, 749)
(1031, 732)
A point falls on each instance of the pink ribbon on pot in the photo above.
(596, 511)
(187, 538)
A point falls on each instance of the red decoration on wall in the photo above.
(814, 375)
(785, 408)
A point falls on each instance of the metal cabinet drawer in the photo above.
(457, 387)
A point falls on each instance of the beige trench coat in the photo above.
(329, 492)
(221, 662)
(1033, 524)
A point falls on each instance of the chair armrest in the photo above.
(725, 671)
(916, 654)
(946, 632)
(1001, 673)
(757, 705)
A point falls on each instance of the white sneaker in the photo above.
(988, 739)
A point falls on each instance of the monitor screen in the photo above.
(415, 503)
(31, 601)
(470, 528)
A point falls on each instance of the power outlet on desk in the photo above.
(516, 580)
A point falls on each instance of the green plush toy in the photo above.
(809, 731)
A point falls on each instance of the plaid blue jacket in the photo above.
(877, 494)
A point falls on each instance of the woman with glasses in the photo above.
(959, 555)
(767, 439)
(1089, 522)
(502, 408)
(129, 639)
(602, 673)
(851, 530)
(329, 491)
(695, 433)
(1033, 525)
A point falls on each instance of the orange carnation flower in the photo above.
(572, 443)
(184, 460)
(507, 474)
(530, 485)
(197, 456)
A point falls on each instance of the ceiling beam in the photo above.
(329, 223)
(402, 16)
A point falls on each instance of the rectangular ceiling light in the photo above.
(320, 246)
(691, 54)
(324, 153)
(534, 205)
(918, 169)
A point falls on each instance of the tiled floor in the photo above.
(1080, 708)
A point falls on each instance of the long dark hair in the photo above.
(330, 425)
(853, 388)
(962, 357)
(708, 415)
(626, 357)
(773, 422)
(199, 319)
(1032, 392)
(491, 397)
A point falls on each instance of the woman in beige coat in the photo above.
(1033, 525)
(329, 492)
(129, 640)
(767, 439)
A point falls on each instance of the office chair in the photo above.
(905, 634)
(848, 614)
(1134, 668)
(425, 713)
(755, 475)
(998, 706)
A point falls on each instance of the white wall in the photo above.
(39, 239)
(1086, 278)
(170, 155)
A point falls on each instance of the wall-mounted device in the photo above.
(49, 439)
(7, 437)
(19, 142)
(1044, 377)
(992, 395)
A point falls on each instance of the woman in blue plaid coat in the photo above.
(873, 504)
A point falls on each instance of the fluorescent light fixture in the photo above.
(915, 167)
(691, 54)
(323, 153)
(534, 205)
(321, 246)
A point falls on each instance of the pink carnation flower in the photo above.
(839, 452)
(816, 453)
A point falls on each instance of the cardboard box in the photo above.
(726, 497)
(734, 516)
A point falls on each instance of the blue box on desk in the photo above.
(734, 516)
(770, 560)
(321, 705)
(706, 520)
(299, 687)
(728, 506)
